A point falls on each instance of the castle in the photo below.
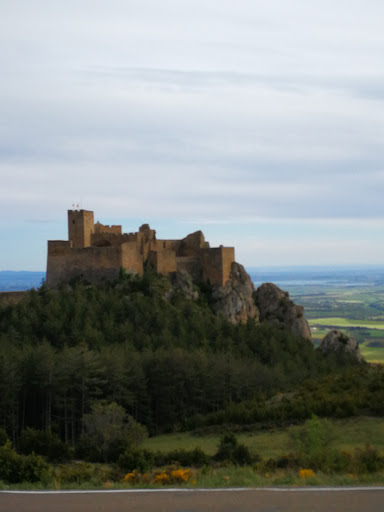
(96, 252)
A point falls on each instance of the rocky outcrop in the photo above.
(238, 301)
(275, 306)
(336, 341)
(182, 281)
(234, 300)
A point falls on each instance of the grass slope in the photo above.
(347, 434)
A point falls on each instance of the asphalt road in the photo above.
(250, 500)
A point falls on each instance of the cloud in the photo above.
(184, 110)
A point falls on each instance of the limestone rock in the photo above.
(275, 306)
(182, 281)
(337, 341)
(234, 300)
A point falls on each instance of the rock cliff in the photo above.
(336, 341)
(234, 300)
(182, 281)
(238, 301)
(275, 306)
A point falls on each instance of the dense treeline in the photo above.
(142, 345)
(352, 391)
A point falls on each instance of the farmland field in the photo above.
(351, 300)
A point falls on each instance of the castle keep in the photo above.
(96, 252)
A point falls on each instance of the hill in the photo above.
(143, 343)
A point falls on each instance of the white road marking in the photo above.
(224, 489)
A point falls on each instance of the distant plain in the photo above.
(350, 299)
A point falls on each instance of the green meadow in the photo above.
(358, 311)
(347, 434)
(345, 322)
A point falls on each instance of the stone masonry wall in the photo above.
(216, 264)
(91, 263)
(95, 251)
(80, 228)
(131, 260)
(101, 228)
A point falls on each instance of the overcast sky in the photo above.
(259, 122)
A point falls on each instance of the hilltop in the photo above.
(143, 343)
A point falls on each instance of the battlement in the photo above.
(97, 252)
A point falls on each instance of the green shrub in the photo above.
(337, 462)
(195, 458)
(15, 468)
(74, 473)
(290, 461)
(312, 439)
(109, 431)
(44, 443)
(33, 468)
(140, 460)
(230, 450)
(87, 449)
(3, 436)
(368, 460)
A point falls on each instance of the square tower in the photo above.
(81, 226)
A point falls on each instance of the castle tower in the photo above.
(81, 225)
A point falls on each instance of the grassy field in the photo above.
(346, 322)
(358, 311)
(346, 434)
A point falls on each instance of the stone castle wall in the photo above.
(96, 252)
(101, 228)
(131, 259)
(80, 228)
(91, 263)
(216, 264)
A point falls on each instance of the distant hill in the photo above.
(18, 281)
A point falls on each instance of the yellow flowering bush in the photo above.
(170, 475)
(133, 477)
(162, 478)
(306, 473)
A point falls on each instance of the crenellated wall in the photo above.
(101, 228)
(96, 252)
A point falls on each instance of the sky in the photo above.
(259, 122)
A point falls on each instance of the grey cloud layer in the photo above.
(235, 110)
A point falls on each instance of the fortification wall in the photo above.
(97, 252)
(169, 245)
(190, 265)
(190, 245)
(101, 228)
(131, 260)
(94, 264)
(228, 257)
(164, 262)
(109, 239)
(80, 228)
(216, 264)
(58, 250)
